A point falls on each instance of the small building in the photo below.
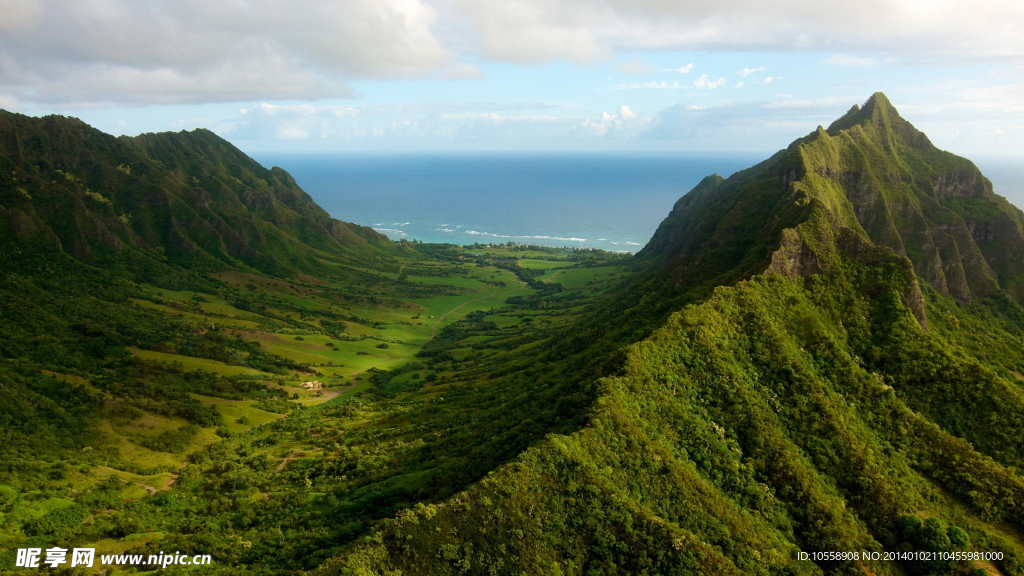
(312, 386)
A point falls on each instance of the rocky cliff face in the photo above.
(871, 174)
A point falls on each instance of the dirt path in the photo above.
(330, 394)
(287, 459)
(553, 276)
(175, 475)
(149, 489)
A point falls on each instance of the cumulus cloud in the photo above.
(650, 86)
(625, 124)
(939, 110)
(682, 69)
(19, 14)
(444, 120)
(531, 31)
(748, 71)
(705, 82)
(744, 126)
(844, 60)
(182, 51)
(451, 122)
(584, 30)
(93, 52)
(637, 67)
(495, 118)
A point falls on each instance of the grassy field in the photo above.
(536, 264)
(288, 321)
(191, 363)
(241, 416)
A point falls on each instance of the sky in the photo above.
(517, 75)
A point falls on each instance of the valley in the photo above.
(819, 353)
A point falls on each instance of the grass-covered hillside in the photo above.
(188, 199)
(800, 390)
(780, 415)
(819, 354)
(871, 173)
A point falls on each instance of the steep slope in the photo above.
(188, 199)
(871, 173)
(812, 396)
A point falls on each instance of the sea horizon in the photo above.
(607, 200)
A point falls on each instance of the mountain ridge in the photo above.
(872, 173)
(189, 198)
(773, 378)
(795, 388)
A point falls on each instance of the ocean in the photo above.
(594, 200)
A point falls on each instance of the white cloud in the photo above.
(830, 103)
(682, 69)
(292, 133)
(500, 118)
(18, 14)
(8, 103)
(637, 67)
(625, 124)
(531, 31)
(743, 126)
(705, 82)
(741, 84)
(422, 123)
(182, 51)
(412, 122)
(961, 115)
(585, 30)
(748, 71)
(650, 86)
(97, 52)
(768, 80)
(844, 60)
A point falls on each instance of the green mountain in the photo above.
(189, 199)
(870, 177)
(163, 300)
(799, 389)
(819, 354)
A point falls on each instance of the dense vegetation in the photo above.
(817, 354)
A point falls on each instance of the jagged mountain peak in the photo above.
(871, 178)
(879, 114)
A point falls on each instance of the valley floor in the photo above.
(261, 340)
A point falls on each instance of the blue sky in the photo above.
(467, 75)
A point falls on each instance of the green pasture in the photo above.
(190, 363)
(599, 277)
(197, 318)
(233, 411)
(535, 264)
